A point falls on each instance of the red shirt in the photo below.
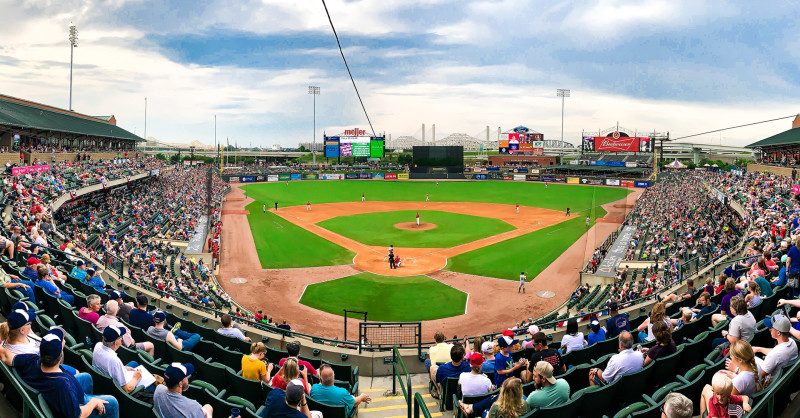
(278, 382)
(301, 363)
(715, 410)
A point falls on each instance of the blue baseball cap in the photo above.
(51, 345)
(117, 294)
(19, 317)
(159, 316)
(176, 372)
(113, 333)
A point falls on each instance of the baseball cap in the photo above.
(595, 325)
(19, 317)
(779, 322)
(508, 333)
(506, 341)
(57, 331)
(32, 261)
(475, 359)
(294, 391)
(117, 294)
(113, 332)
(533, 329)
(487, 347)
(51, 345)
(545, 370)
(79, 263)
(176, 372)
(159, 316)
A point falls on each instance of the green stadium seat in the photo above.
(664, 368)
(596, 401)
(331, 411)
(628, 410)
(253, 390)
(630, 387)
(567, 409)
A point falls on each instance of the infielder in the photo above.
(516, 209)
(417, 218)
(264, 208)
(308, 205)
(363, 198)
(522, 279)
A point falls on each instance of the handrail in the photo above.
(399, 365)
(420, 407)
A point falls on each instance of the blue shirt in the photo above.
(616, 324)
(794, 264)
(30, 274)
(62, 391)
(502, 362)
(781, 277)
(449, 370)
(48, 287)
(487, 366)
(766, 287)
(276, 406)
(596, 337)
(333, 395)
(140, 318)
(78, 273)
(98, 284)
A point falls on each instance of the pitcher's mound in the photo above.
(412, 226)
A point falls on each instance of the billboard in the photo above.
(354, 143)
(332, 147)
(376, 147)
(390, 176)
(617, 143)
(521, 142)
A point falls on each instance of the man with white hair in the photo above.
(677, 406)
(111, 319)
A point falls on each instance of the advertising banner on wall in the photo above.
(272, 177)
(18, 171)
(284, 176)
(310, 176)
(351, 176)
(376, 176)
(519, 177)
(531, 177)
(332, 147)
(626, 183)
(402, 176)
(552, 179)
(573, 180)
(390, 176)
(248, 179)
(364, 176)
(615, 163)
(612, 182)
(641, 183)
(480, 177)
(631, 164)
(296, 176)
(593, 182)
(616, 143)
(331, 176)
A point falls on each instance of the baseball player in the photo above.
(276, 206)
(567, 212)
(308, 205)
(516, 209)
(427, 197)
(417, 218)
(522, 279)
(588, 221)
(363, 198)
(264, 208)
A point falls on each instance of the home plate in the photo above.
(546, 294)
(241, 280)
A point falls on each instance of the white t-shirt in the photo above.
(474, 384)
(573, 342)
(621, 364)
(778, 357)
(745, 383)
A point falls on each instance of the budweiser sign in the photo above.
(618, 144)
(355, 132)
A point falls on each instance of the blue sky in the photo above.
(678, 66)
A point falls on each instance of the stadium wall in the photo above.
(765, 168)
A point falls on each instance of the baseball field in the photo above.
(331, 239)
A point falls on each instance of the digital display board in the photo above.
(354, 146)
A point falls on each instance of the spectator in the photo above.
(657, 314)
(159, 332)
(753, 297)
(724, 306)
(474, 382)
(704, 305)
(439, 353)
(229, 330)
(453, 369)
(79, 271)
(288, 372)
(665, 346)
(686, 317)
(293, 349)
(16, 333)
(253, 365)
(105, 359)
(330, 394)
(549, 390)
(290, 403)
(625, 362)
(504, 366)
(742, 326)
(111, 319)
(510, 402)
(572, 339)
(528, 343)
(617, 322)
(596, 333)
(95, 281)
(168, 398)
(793, 269)
(44, 281)
(139, 317)
(66, 394)
(10, 281)
(784, 352)
(487, 349)
(125, 309)
(742, 369)
(90, 312)
(54, 272)
(723, 404)
(543, 352)
(677, 406)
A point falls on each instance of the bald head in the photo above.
(326, 376)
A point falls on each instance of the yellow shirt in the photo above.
(253, 369)
(440, 353)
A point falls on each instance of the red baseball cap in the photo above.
(508, 333)
(475, 359)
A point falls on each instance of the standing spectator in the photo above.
(549, 390)
(617, 322)
(168, 398)
(330, 394)
(623, 363)
(474, 382)
(229, 330)
(572, 339)
(253, 365)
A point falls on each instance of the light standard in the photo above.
(73, 43)
(145, 120)
(562, 93)
(314, 90)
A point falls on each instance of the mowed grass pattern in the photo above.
(414, 298)
(282, 244)
(451, 228)
(530, 253)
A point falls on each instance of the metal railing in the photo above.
(400, 375)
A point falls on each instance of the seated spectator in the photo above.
(439, 353)
(290, 403)
(105, 359)
(549, 390)
(625, 362)
(686, 317)
(288, 372)
(528, 343)
(725, 305)
(90, 312)
(139, 317)
(229, 330)
(742, 326)
(543, 352)
(487, 349)
(677, 406)
(184, 341)
(687, 294)
(7, 246)
(780, 278)
(742, 369)
(66, 394)
(124, 308)
(596, 333)
(616, 322)
(168, 398)
(510, 402)
(704, 305)
(784, 352)
(753, 297)
(474, 382)
(111, 319)
(16, 333)
(657, 314)
(572, 339)
(504, 366)
(93, 279)
(54, 272)
(293, 349)
(10, 281)
(454, 368)
(723, 404)
(664, 344)
(253, 365)
(79, 271)
(328, 393)
(44, 281)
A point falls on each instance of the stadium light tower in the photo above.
(73, 43)
(314, 90)
(562, 93)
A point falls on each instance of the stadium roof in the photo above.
(24, 114)
(790, 137)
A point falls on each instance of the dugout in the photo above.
(444, 162)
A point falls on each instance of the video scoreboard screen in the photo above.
(354, 146)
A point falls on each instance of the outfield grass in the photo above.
(530, 253)
(555, 196)
(451, 228)
(414, 298)
(282, 244)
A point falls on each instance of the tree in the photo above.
(303, 148)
